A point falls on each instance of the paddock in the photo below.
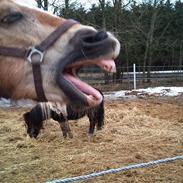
(136, 131)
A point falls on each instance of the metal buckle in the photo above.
(34, 51)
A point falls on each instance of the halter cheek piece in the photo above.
(35, 55)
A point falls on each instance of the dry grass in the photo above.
(135, 131)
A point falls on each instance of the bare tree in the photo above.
(180, 54)
(45, 6)
(39, 3)
(42, 4)
(67, 4)
(149, 40)
(103, 4)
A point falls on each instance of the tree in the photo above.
(150, 32)
(43, 4)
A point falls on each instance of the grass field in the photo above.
(135, 131)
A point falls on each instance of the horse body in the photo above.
(35, 118)
(80, 45)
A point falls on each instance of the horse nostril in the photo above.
(101, 35)
(97, 37)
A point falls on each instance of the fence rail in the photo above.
(134, 76)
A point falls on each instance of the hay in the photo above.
(135, 131)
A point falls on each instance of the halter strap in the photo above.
(52, 38)
(13, 52)
(35, 55)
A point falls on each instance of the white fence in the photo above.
(132, 77)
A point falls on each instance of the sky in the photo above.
(85, 3)
(32, 3)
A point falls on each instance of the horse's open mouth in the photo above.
(92, 95)
(92, 49)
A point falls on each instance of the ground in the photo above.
(136, 131)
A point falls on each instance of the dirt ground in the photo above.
(135, 131)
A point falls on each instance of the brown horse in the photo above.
(22, 29)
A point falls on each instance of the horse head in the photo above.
(79, 45)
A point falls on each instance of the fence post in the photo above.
(134, 77)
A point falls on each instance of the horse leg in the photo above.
(63, 128)
(57, 115)
(64, 124)
(68, 129)
(91, 130)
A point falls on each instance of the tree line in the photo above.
(150, 32)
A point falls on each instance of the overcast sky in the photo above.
(85, 3)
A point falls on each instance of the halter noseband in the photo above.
(35, 55)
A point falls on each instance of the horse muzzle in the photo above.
(94, 48)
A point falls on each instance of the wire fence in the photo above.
(124, 77)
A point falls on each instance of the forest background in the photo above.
(150, 32)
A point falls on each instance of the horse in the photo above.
(43, 111)
(40, 53)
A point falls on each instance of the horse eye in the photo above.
(11, 18)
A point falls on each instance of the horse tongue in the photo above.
(82, 86)
(107, 65)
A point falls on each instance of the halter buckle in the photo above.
(36, 53)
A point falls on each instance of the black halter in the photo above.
(35, 55)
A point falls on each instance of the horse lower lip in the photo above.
(92, 101)
(83, 87)
(79, 91)
(77, 97)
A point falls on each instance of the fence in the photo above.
(122, 169)
(133, 77)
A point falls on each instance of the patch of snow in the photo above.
(117, 95)
(163, 91)
(156, 91)
(126, 94)
(4, 102)
(19, 103)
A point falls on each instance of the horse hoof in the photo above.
(90, 138)
(99, 128)
(65, 135)
(70, 135)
